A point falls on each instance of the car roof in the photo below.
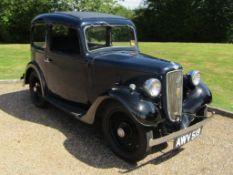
(79, 18)
(91, 15)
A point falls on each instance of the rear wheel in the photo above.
(36, 91)
(126, 137)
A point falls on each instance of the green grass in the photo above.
(215, 61)
(13, 60)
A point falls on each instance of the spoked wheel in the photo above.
(126, 137)
(36, 91)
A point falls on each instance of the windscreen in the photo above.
(98, 37)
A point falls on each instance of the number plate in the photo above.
(180, 141)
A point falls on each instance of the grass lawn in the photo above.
(13, 60)
(215, 61)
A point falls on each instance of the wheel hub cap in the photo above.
(121, 132)
(34, 89)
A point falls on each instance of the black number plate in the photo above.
(180, 141)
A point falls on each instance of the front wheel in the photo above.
(126, 137)
(36, 91)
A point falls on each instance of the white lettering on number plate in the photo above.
(187, 138)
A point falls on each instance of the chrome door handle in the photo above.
(47, 60)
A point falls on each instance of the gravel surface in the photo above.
(49, 142)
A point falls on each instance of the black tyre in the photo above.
(126, 137)
(36, 91)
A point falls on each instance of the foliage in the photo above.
(185, 20)
(16, 15)
(157, 20)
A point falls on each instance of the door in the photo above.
(38, 45)
(65, 67)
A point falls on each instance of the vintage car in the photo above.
(89, 65)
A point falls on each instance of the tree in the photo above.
(16, 15)
(185, 20)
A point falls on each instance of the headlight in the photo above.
(195, 77)
(152, 87)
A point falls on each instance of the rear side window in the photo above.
(39, 36)
(64, 39)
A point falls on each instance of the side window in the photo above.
(64, 39)
(39, 36)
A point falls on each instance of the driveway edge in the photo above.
(220, 111)
(11, 81)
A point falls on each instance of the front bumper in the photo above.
(153, 142)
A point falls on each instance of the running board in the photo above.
(73, 109)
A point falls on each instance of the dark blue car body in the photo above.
(81, 84)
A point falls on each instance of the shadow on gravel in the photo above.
(84, 142)
(157, 160)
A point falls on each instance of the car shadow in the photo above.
(158, 160)
(84, 142)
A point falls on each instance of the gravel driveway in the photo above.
(49, 142)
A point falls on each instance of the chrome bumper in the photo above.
(172, 136)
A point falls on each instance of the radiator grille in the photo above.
(174, 85)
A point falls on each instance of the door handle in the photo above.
(48, 60)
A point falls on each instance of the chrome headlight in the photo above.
(152, 87)
(195, 77)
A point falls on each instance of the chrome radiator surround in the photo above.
(174, 94)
